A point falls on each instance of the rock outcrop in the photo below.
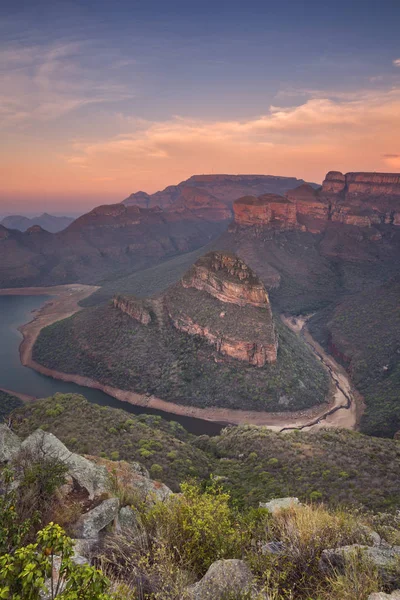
(222, 300)
(224, 579)
(133, 307)
(10, 444)
(278, 504)
(91, 523)
(384, 558)
(357, 199)
(89, 476)
(227, 278)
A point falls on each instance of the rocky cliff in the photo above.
(222, 300)
(225, 188)
(358, 199)
(134, 308)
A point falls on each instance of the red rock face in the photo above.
(334, 183)
(357, 199)
(133, 307)
(365, 199)
(223, 301)
(227, 278)
(267, 210)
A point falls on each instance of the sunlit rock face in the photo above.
(222, 300)
(358, 199)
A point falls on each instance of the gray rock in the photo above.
(272, 548)
(127, 519)
(9, 444)
(93, 478)
(223, 578)
(89, 524)
(279, 503)
(382, 596)
(86, 548)
(372, 536)
(385, 558)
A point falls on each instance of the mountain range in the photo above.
(47, 222)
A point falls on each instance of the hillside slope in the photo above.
(337, 466)
(192, 346)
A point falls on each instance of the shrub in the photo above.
(24, 574)
(198, 527)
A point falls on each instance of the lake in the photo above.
(17, 310)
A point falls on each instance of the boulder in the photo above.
(279, 503)
(127, 519)
(93, 478)
(134, 477)
(91, 523)
(223, 579)
(385, 558)
(9, 444)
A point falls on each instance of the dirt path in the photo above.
(64, 303)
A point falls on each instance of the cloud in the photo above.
(396, 62)
(45, 82)
(306, 140)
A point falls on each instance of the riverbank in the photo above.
(64, 302)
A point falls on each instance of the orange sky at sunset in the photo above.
(97, 103)
(305, 141)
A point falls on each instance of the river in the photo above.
(17, 310)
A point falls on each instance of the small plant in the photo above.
(46, 567)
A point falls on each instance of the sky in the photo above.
(99, 99)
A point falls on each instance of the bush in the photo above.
(29, 572)
(198, 527)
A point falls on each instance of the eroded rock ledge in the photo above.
(222, 300)
(219, 299)
(357, 199)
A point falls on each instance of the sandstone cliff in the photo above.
(359, 199)
(133, 307)
(223, 301)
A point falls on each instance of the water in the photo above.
(15, 311)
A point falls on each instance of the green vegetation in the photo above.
(108, 432)
(107, 345)
(253, 463)
(7, 404)
(170, 545)
(29, 571)
(364, 333)
(339, 467)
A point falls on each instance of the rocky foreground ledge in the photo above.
(97, 484)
